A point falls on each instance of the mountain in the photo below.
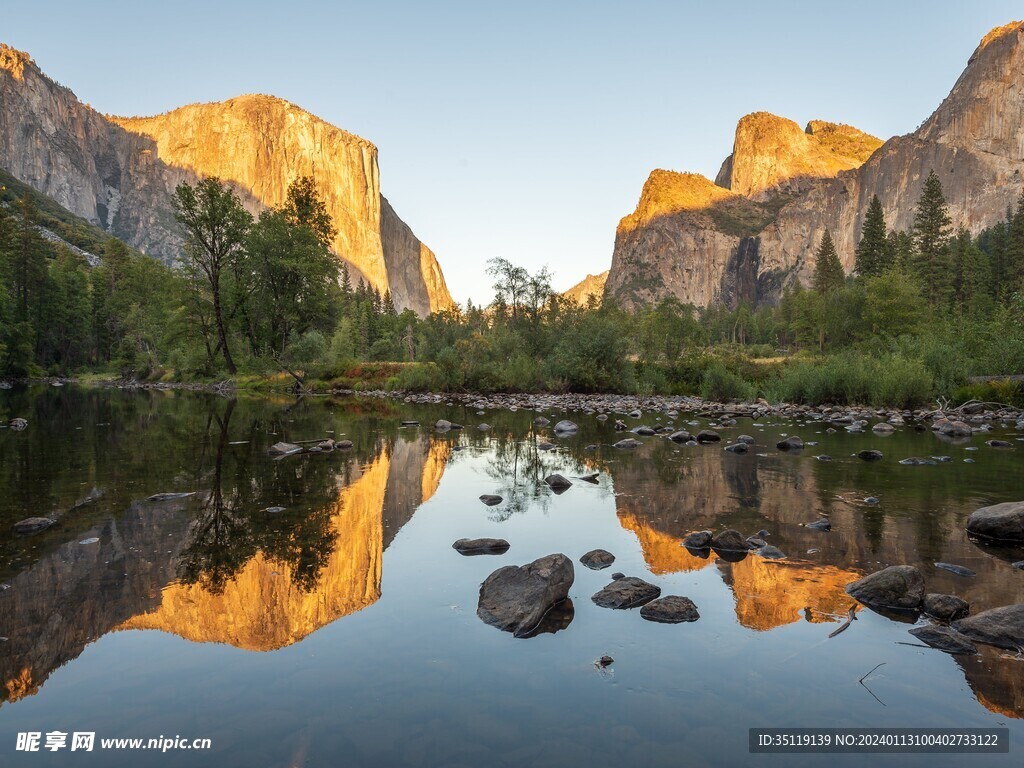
(591, 285)
(754, 232)
(771, 154)
(119, 172)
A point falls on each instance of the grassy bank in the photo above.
(847, 378)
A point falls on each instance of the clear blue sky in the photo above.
(524, 130)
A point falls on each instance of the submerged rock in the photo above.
(1001, 627)
(870, 455)
(566, 428)
(627, 592)
(682, 436)
(17, 424)
(737, 448)
(944, 639)
(442, 425)
(516, 598)
(284, 449)
(1001, 522)
(824, 524)
(708, 436)
(33, 525)
(170, 496)
(900, 587)
(481, 546)
(791, 443)
(959, 570)
(945, 607)
(772, 553)
(628, 443)
(491, 499)
(596, 559)
(671, 609)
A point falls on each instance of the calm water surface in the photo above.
(342, 630)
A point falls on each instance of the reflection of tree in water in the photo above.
(519, 467)
(233, 523)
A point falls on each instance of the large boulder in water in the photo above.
(944, 639)
(1001, 522)
(672, 609)
(899, 587)
(516, 598)
(1001, 627)
(730, 540)
(946, 607)
(627, 592)
(565, 428)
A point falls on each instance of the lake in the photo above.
(311, 611)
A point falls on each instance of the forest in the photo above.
(262, 300)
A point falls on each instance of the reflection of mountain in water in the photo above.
(263, 608)
(661, 496)
(78, 593)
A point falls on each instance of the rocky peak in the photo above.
(591, 285)
(784, 187)
(985, 109)
(14, 61)
(772, 154)
(120, 172)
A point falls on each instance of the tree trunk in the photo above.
(221, 332)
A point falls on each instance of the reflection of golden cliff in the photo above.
(663, 552)
(771, 593)
(263, 608)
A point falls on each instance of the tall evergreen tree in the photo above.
(828, 271)
(1013, 264)
(900, 247)
(971, 273)
(931, 261)
(873, 253)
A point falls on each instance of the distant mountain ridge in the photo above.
(119, 172)
(746, 238)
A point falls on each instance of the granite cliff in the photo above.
(591, 285)
(754, 232)
(120, 172)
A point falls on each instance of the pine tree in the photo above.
(873, 252)
(900, 247)
(931, 261)
(388, 304)
(1013, 264)
(828, 271)
(971, 273)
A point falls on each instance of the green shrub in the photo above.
(722, 384)
(856, 379)
(418, 377)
